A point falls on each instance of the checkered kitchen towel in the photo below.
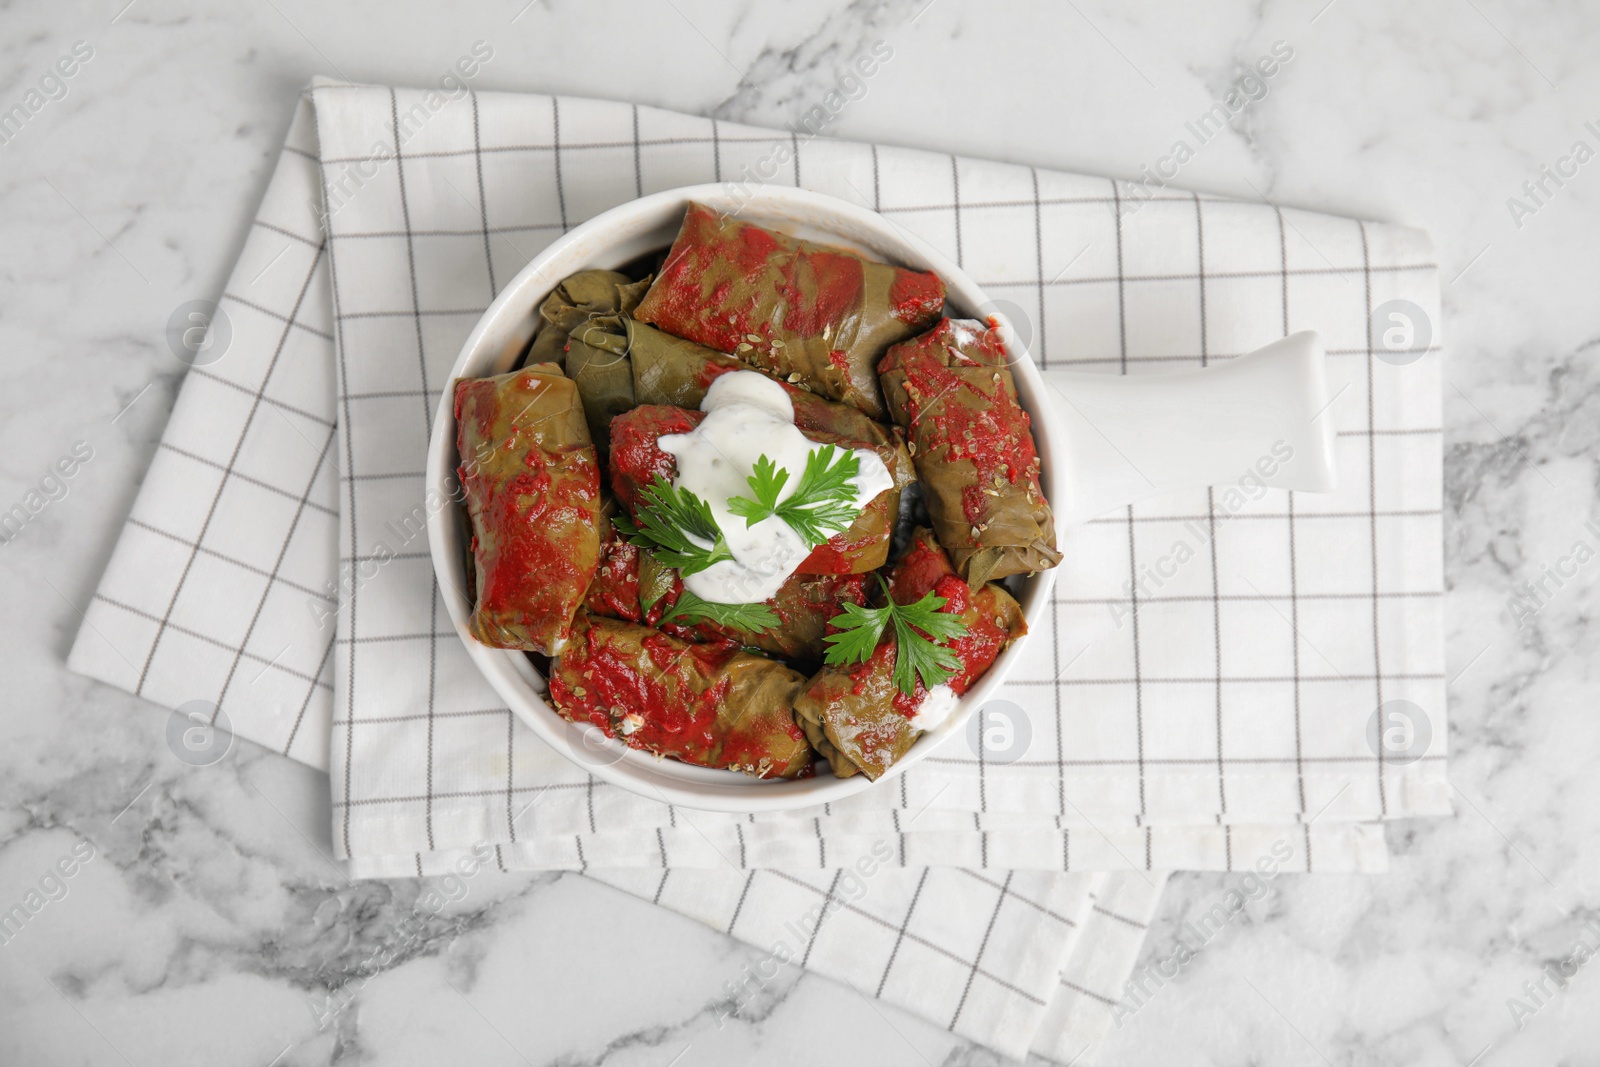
(1177, 715)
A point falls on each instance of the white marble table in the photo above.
(194, 933)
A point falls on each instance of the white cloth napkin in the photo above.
(1212, 712)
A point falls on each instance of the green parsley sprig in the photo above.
(823, 502)
(919, 630)
(677, 526)
(751, 618)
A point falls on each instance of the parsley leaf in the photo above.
(823, 502)
(751, 618)
(919, 630)
(859, 630)
(677, 526)
(919, 655)
(767, 481)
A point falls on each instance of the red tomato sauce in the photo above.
(991, 430)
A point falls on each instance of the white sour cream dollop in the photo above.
(935, 708)
(748, 415)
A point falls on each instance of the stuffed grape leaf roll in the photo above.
(531, 483)
(578, 298)
(803, 606)
(856, 715)
(973, 446)
(598, 362)
(619, 362)
(632, 585)
(670, 370)
(707, 704)
(637, 457)
(804, 312)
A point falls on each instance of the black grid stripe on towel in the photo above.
(213, 595)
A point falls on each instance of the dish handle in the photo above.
(1262, 417)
